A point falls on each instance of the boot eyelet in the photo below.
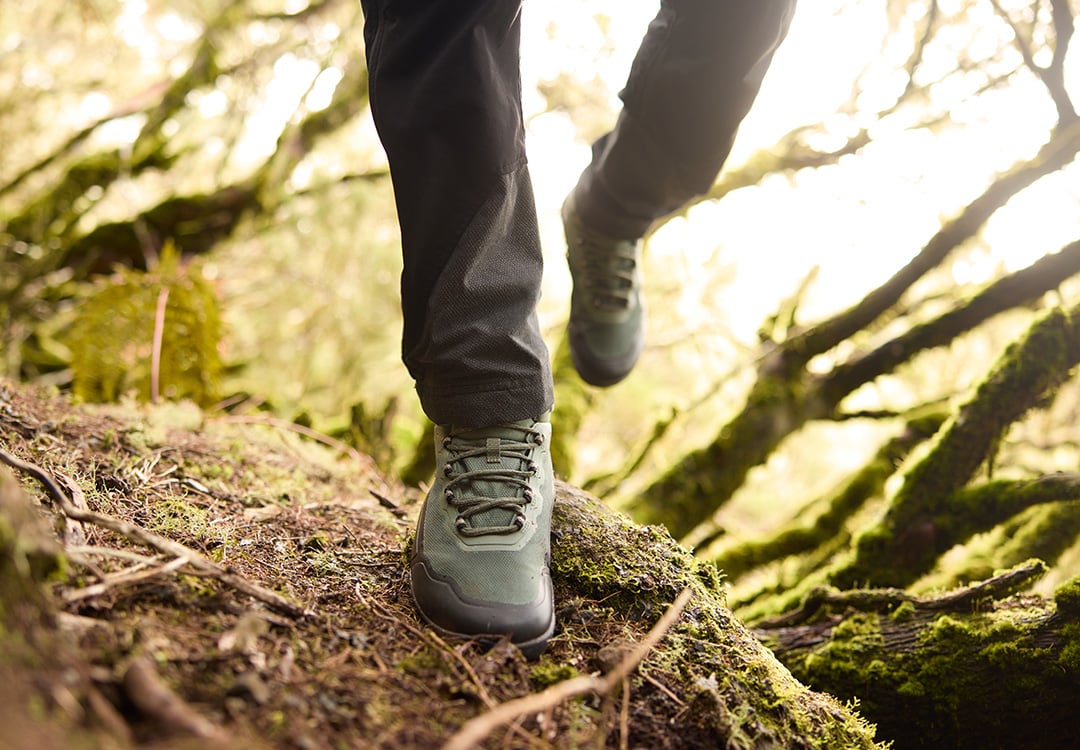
(447, 470)
(449, 495)
(446, 442)
(533, 468)
(527, 495)
(460, 524)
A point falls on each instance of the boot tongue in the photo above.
(491, 438)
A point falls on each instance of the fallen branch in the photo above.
(155, 700)
(201, 564)
(886, 599)
(125, 578)
(476, 729)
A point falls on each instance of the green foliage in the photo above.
(113, 339)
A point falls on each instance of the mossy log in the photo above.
(736, 691)
(708, 683)
(952, 672)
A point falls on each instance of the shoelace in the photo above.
(608, 272)
(499, 452)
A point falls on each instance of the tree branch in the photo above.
(1014, 290)
(474, 731)
(917, 526)
(1058, 152)
(200, 563)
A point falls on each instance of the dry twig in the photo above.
(200, 564)
(154, 699)
(134, 574)
(475, 730)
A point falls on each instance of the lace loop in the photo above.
(506, 473)
(607, 272)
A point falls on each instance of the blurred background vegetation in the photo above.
(888, 133)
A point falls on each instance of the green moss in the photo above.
(178, 519)
(630, 567)
(853, 644)
(323, 562)
(112, 341)
(638, 571)
(981, 676)
(1069, 657)
(1067, 597)
(422, 663)
(904, 612)
(548, 673)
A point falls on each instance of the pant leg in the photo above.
(695, 77)
(446, 98)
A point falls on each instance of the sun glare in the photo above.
(858, 221)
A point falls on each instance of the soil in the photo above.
(320, 526)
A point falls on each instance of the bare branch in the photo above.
(1059, 151)
(200, 563)
(1007, 293)
(473, 732)
(886, 599)
(1053, 75)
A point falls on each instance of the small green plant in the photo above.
(156, 333)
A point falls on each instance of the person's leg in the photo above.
(445, 95)
(693, 81)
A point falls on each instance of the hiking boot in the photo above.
(480, 562)
(607, 317)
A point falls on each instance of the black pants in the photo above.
(446, 98)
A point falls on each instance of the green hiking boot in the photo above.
(480, 562)
(607, 318)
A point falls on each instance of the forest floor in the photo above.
(153, 649)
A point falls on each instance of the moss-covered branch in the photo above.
(1007, 676)
(1019, 288)
(786, 396)
(194, 223)
(867, 483)
(1059, 151)
(930, 513)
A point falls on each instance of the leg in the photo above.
(693, 81)
(695, 77)
(445, 95)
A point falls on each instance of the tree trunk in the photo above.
(955, 672)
